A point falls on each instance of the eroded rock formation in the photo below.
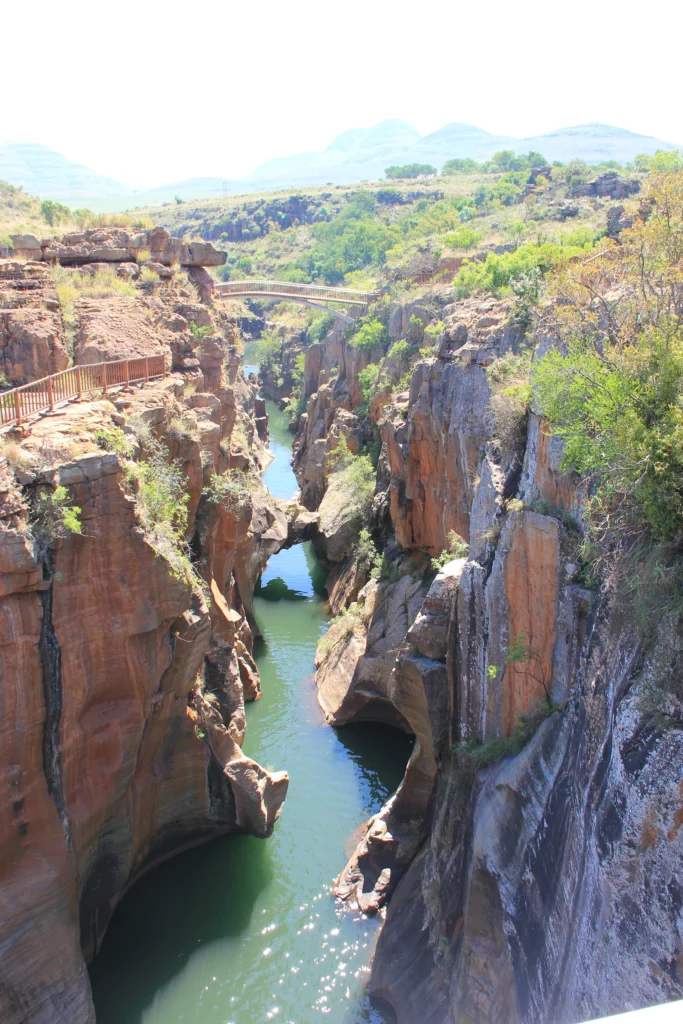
(44, 329)
(545, 885)
(124, 682)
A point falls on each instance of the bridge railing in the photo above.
(43, 395)
(280, 288)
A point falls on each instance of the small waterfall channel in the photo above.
(244, 930)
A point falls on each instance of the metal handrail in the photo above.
(284, 288)
(43, 395)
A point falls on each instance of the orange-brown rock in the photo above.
(123, 712)
(32, 344)
(115, 245)
(114, 328)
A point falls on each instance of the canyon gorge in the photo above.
(310, 653)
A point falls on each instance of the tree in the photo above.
(460, 165)
(409, 170)
(372, 334)
(502, 159)
(614, 392)
(54, 213)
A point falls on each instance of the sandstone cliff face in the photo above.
(124, 685)
(554, 895)
(332, 390)
(32, 342)
(547, 886)
(41, 334)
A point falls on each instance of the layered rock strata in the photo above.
(124, 683)
(115, 245)
(49, 322)
(546, 886)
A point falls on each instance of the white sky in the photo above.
(151, 92)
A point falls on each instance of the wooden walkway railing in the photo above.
(43, 395)
(281, 289)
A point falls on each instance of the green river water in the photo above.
(243, 930)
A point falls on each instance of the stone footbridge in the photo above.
(318, 296)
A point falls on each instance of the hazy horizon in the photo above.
(139, 108)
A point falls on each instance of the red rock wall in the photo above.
(110, 754)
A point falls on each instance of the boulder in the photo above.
(26, 247)
(203, 282)
(203, 254)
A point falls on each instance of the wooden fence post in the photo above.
(17, 407)
(146, 369)
(50, 398)
(127, 368)
(79, 385)
(104, 378)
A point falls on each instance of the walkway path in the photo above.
(41, 396)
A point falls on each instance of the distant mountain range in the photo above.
(43, 172)
(356, 155)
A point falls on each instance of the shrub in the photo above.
(54, 516)
(372, 334)
(369, 380)
(463, 238)
(508, 379)
(200, 332)
(356, 478)
(368, 555)
(457, 548)
(113, 439)
(297, 402)
(268, 349)
(500, 271)
(320, 325)
(161, 500)
(232, 489)
(401, 348)
(471, 757)
(615, 394)
(434, 331)
(350, 620)
(437, 218)
(341, 456)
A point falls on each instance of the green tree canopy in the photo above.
(409, 170)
